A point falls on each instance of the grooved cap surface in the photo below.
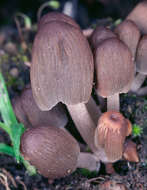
(139, 16)
(62, 66)
(56, 16)
(100, 34)
(110, 134)
(114, 67)
(53, 151)
(129, 33)
(141, 57)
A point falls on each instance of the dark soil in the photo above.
(14, 59)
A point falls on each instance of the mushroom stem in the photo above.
(84, 123)
(138, 81)
(88, 161)
(113, 103)
(94, 110)
(142, 91)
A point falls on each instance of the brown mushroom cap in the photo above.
(114, 67)
(141, 57)
(110, 135)
(19, 112)
(53, 151)
(100, 34)
(139, 16)
(129, 33)
(30, 115)
(62, 66)
(130, 151)
(56, 16)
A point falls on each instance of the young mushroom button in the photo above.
(54, 152)
(110, 136)
(114, 71)
(62, 71)
(130, 151)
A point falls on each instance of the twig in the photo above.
(10, 177)
(21, 182)
(4, 181)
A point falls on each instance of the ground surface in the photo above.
(13, 60)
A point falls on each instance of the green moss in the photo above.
(137, 130)
(87, 173)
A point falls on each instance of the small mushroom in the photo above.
(30, 115)
(129, 34)
(114, 71)
(54, 152)
(110, 135)
(62, 71)
(100, 34)
(130, 152)
(139, 16)
(141, 64)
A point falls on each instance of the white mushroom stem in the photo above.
(138, 81)
(113, 103)
(88, 161)
(83, 123)
(94, 110)
(142, 91)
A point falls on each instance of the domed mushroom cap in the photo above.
(56, 16)
(129, 33)
(30, 115)
(114, 66)
(100, 34)
(62, 66)
(110, 135)
(139, 16)
(141, 57)
(53, 151)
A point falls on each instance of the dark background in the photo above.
(87, 10)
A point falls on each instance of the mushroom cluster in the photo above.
(62, 71)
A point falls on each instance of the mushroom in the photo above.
(141, 64)
(110, 135)
(54, 152)
(30, 115)
(62, 71)
(130, 152)
(100, 34)
(129, 34)
(57, 17)
(114, 71)
(139, 16)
